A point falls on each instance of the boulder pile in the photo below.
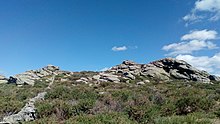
(29, 77)
(106, 77)
(164, 69)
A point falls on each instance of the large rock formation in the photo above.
(180, 69)
(3, 79)
(164, 69)
(29, 77)
(106, 77)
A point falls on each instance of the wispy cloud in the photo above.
(203, 9)
(120, 48)
(193, 41)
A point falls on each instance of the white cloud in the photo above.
(188, 47)
(122, 48)
(204, 9)
(207, 5)
(210, 64)
(194, 41)
(200, 35)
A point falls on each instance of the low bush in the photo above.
(189, 119)
(191, 104)
(9, 107)
(60, 92)
(44, 109)
(143, 114)
(13, 98)
(108, 118)
(217, 113)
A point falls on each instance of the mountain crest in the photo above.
(164, 69)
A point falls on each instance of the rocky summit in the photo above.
(166, 90)
(164, 69)
(29, 77)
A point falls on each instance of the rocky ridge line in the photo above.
(164, 70)
(29, 77)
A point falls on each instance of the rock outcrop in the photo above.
(106, 77)
(3, 80)
(164, 69)
(29, 77)
(83, 80)
(179, 69)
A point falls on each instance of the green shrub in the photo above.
(78, 93)
(40, 84)
(45, 120)
(157, 99)
(217, 113)
(189, 119)
(168, 109)
(108, 118)
(60, 92)
(83, 107)
(191, 104)
(63, 109)
(123, 95)
(13, 98)
(143, 114)
(9, 107)
(44, 109)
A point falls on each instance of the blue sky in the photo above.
(94, 34)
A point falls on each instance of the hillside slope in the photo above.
(167, 91)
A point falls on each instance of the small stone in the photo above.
(146, 81)
(96, 77)
(101, 93)
(140, 83)
(63, 80)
